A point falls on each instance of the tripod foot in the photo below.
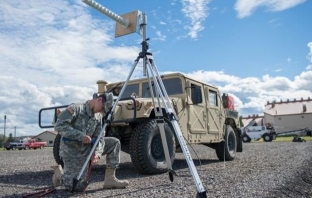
(171, 173)
(201, 194)
(75, 182)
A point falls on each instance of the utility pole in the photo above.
(4, 131)
(14, 133)
(4, 126)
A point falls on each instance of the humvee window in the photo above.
(213, 98)
(130, 89)
(196, 94)
(173, 86)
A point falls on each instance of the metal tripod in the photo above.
(159, 93)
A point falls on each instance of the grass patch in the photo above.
(287, 139)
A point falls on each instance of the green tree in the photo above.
(10, 139)
(241, 121)
(2, 140)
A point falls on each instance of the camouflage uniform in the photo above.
(73, 124)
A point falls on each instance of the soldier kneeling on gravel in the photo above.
(77, 125)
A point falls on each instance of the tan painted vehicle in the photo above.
(205, 117)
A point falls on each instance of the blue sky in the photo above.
(53, 52)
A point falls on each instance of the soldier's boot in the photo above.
(57, 176)
(111, 181)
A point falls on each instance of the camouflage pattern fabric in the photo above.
(72, 165)
(112, 151)
(76, 121)
(109, 100)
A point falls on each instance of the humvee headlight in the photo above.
(130, 105)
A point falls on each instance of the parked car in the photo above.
(21, 146)
(32, 144)
(12, 145)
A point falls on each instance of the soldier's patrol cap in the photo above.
(108, 100)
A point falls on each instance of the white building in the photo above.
(46, 136)
(285, 115)
(289, 115)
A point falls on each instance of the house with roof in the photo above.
(289, 115)
(46, 136)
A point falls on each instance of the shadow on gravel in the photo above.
(298, 186)
(42, 178)
(127, 170)
(126, 194)
(181, 163)
(26, 178)
(31, 180)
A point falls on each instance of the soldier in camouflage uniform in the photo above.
(77, 125)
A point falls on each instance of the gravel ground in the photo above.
(263, 170)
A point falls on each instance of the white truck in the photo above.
(252, 132)
(258, 132)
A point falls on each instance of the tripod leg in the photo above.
(161, 126)
(160, 119)
(161, 91)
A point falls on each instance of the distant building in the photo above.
(46, 136)
(22, 138)
(289, 115)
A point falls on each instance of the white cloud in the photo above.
(245, 8)
(309, 67)
(310, 53)
(275, 23)
(160, 36)
(53, 53)
(213, 76)
(197, 12)
(304, 80)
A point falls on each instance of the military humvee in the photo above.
(205, 117)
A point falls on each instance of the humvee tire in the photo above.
(56, 150)
(239, 139)
(226, 150)
(146, 148)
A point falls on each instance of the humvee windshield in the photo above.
(173, 86)
(130, 89)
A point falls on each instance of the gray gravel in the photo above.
(263, 170)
